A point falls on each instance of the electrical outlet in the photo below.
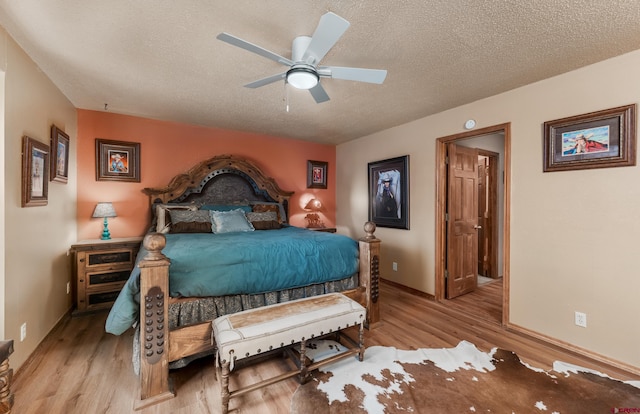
(581, 319)
(68, 287)
(23, 331)
(395, 266)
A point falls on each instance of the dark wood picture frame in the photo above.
(117, 160)
(317, 174)
(59, 170)
(35, 173)
(599, 139)
(389, 192)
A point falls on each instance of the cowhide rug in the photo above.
(456, 380)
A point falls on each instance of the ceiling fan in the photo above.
(306, 53)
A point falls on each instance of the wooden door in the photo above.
(483, 215)
(462, 221)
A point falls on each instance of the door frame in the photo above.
(441, 209)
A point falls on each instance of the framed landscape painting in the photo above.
(595, 140)
(388, 192)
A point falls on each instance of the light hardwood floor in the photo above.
(81, 369)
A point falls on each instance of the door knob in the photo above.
(477, 227)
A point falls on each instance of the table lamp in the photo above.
(104, 210)
(313, 219)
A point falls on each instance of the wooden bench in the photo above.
(254, 332)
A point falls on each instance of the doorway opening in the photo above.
(472, 218)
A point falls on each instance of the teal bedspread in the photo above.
(207, 264)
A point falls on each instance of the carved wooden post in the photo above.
(370, 272)
(6, 375)
(155, 385)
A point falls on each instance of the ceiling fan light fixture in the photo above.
(302, 77)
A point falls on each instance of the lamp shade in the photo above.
(313, 205)
(104, 210)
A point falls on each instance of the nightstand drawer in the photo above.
(98, 279)
(96, 259)
(101, 298)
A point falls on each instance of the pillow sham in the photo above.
(163, 219)
(264, 220)
(224, 207)
(187, 221)
(261, 207)
(230, 221)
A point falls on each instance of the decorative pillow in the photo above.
(163, 219)
(264, 221)
(222, 207)
(230, 221)
(187, 221)
(276, 207)
(182, 216)
(190, 227)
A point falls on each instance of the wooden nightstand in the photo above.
(325, 229)
(100, 269)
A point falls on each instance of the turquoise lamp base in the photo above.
(105, 231)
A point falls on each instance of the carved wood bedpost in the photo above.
(6, 375)
(155, 385)
(370, 272)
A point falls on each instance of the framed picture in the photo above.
(595, 140)
(59, 170)
(35, 173)
(388, 192)
(117, 160)
(316, 174)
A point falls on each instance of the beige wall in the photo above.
(36, 267)
(573, 234)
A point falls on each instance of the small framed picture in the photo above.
(317, 174)
(595, 140)
(59, 170)
(35, 173)
(389, 192)
(117, 160)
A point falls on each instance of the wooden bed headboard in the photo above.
(221, 180)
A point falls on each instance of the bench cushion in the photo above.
(255, 331)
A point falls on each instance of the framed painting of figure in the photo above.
(389, 192)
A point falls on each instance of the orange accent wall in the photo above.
(167, 149)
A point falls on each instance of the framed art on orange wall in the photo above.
(117, 160)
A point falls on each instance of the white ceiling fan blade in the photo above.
(319, 94)
(266, 81)
(330, 28)
(353, 74)
(236, 41)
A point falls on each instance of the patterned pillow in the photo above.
(230, 221)
(267, 220)
(163, 219)
(275, 207)
(187, 221)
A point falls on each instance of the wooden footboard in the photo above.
(159, 345)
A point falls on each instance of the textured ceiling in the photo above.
(161, 59)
